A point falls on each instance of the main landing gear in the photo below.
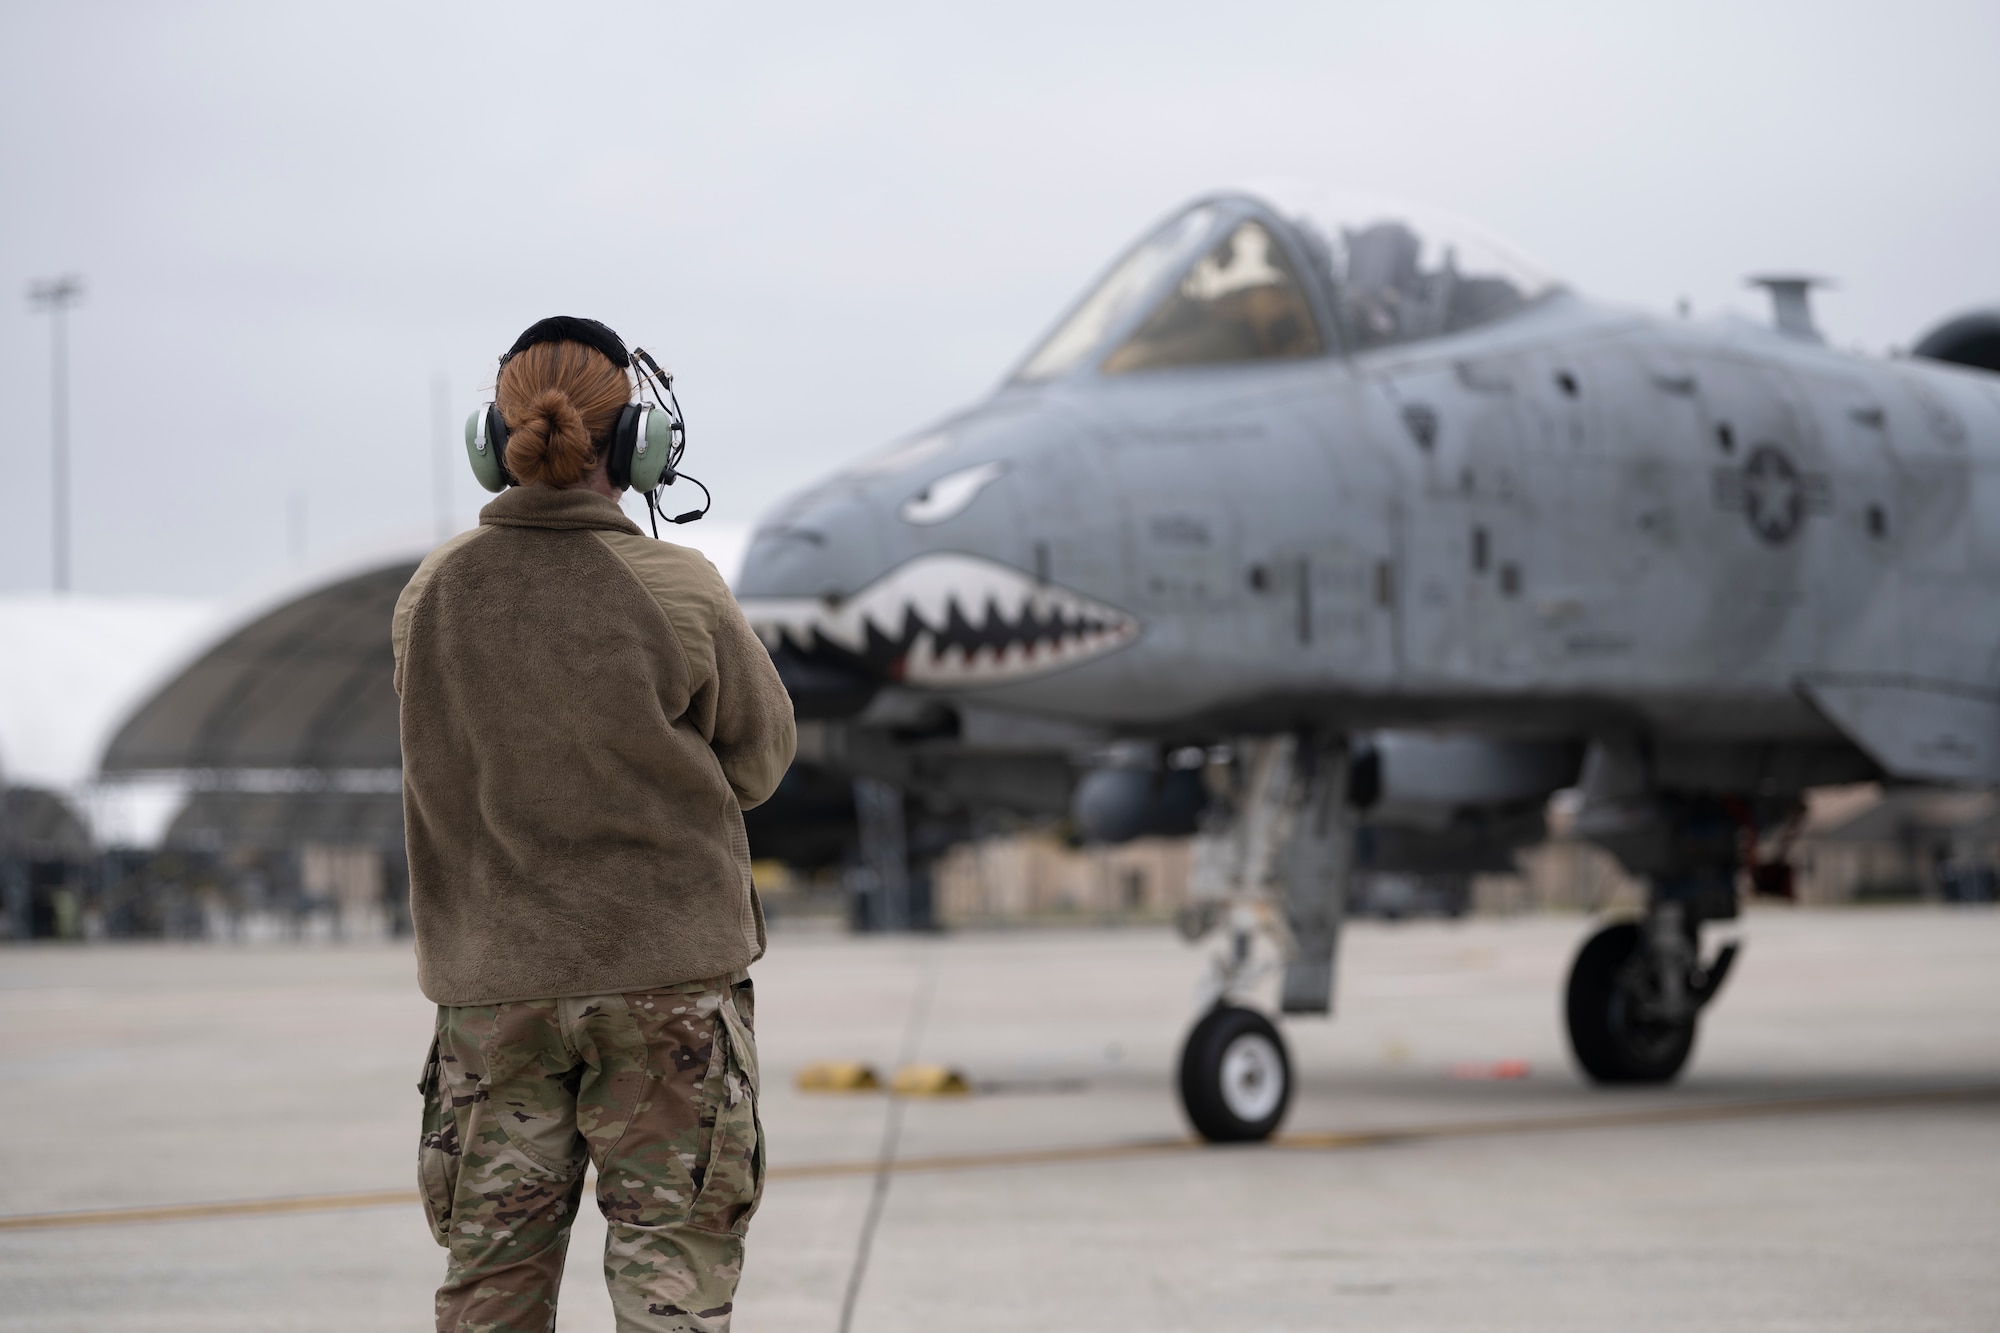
(1270, 878)
(1633, 1001)
(1637, 988)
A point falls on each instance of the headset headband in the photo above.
(572, 329)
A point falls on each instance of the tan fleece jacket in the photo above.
(585, 715)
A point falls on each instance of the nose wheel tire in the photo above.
(1236, 1079)
(1615, 1029)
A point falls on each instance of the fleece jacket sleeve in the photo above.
(755, 736)
(737, 701)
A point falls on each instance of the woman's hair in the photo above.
(560, 401)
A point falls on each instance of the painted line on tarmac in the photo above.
(181, 1212)
(985, 1161)
(1105, 1152)
(1657, 1115)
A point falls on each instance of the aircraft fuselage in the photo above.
(1574, 520)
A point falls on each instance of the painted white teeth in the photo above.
(1019, 627)
(1008, 602)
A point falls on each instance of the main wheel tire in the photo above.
(1236, 1079)
(1612, 1041)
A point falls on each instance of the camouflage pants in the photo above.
(658, 1089)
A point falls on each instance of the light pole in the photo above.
(56, 296)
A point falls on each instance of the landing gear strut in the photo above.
(1271, 868)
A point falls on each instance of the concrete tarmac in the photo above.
(1831, 1161)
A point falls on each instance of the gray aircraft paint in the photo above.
(1567, 521)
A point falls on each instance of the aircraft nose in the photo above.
(824, 545)
(930, 566)
(802, 563)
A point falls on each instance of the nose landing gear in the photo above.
(1236, 1079)
(1270, 873)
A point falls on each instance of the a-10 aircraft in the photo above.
(1312, 512)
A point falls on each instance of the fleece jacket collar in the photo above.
(538, 507)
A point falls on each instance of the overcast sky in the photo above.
(836, 222)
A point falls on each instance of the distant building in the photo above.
(69, 668)
(1869, 844)
(281, 735)
(46, 866)
(1856, 844)
(1036, 877)
(216, 769)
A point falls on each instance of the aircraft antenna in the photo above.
(1791, 302)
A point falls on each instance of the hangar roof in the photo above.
(299, 683)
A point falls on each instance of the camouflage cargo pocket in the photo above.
(732, 1181)
(437, 1151)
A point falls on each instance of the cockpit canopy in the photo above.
(1252, 276)
(1242, 301)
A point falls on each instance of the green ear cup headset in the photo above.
(642, 447)
(485, 443)
(644, 451)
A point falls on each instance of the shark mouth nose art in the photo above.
(945, 619)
